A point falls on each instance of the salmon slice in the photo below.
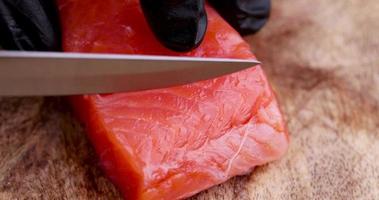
(172, 143)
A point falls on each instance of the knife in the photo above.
(49, 73)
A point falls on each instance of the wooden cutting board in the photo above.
(323, 60)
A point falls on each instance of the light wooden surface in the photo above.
(323, 60)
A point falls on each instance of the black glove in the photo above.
(29, 25)
(179, 24)
(246, 16)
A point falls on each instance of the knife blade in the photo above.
(49, 73)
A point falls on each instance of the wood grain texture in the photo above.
(322, 58)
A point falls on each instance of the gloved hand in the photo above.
(179, 24)
(246, 16)
(29, 25)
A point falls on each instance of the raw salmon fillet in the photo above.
(175, 142)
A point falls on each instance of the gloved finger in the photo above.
(29, 25)
(246, 16)
(179, 25)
